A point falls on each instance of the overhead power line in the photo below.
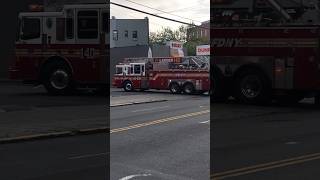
(161, 17)
(161, 11)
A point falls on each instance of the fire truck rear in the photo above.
(63, 50)
(177, 74)
(267, 56)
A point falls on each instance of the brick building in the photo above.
(200, 33)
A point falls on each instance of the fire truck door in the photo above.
(144, 77)
(88, 36)
(104, 47)
(103, 61)
(49, 30)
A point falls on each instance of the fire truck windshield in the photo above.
(119, 70)
(30, 28)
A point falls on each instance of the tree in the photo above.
(167, 34)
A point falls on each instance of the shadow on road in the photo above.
(304, 104)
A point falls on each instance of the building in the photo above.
(128, 38)
(199, 32)
(129, 32)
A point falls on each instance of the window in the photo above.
(131, 70)
(137, 69)
(60, 29)
(30, 28)
(88, 25)
(70, 28)
(105, 23)
(135, 35)
(119, 70)
(115, 35)
(126, 34)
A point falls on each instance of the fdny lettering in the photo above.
(226, 42)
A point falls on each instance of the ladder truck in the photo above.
(187, 75)
(269, 51)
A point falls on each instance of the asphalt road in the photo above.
(161, 141)
(164, 140)
(167, 140)
(262, 143)
(77, 157)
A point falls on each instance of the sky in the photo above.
(195, 11)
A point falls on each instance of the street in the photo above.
(27, 111)
(162, 140)
(78, 157)
(265, 142)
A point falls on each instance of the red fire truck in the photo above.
(264, 58)
(177, 74)
(63, 50)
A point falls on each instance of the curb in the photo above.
(54, 135)
(9, 81)
(134, 103)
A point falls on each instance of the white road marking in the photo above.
(205, 122)
(133, 176)
(292, 143)
(37, 87)
(88, 156)
(150, 109)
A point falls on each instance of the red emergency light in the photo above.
(36, 7)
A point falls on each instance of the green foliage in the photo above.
(167, 34)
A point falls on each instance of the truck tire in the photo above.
(252, 87)
(188, 88)
(218, 91)
(127, 86)
(175, 88)
(57, 78)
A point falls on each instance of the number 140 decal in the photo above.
(87, 52)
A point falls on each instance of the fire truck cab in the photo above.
(63, 50)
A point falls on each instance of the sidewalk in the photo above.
(9, 81)
(35, 123)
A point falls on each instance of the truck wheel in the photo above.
(188, 88)
(175, 88)
(57, 79)
(251, 86)
(127, 86)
